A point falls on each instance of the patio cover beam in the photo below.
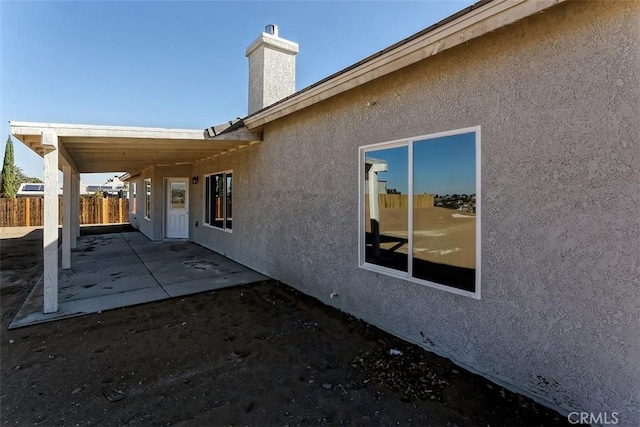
(96, 148)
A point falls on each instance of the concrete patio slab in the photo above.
(78, 285)
(158, 253)
(124, 269)
(185, 268)
(210, 283)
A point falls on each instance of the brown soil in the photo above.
(255, 355)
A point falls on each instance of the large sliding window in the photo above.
(419, 210)
(147, 198)
(218, 206)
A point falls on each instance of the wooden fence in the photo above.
(29, 211)
(401, 201)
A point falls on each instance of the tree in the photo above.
(21, 177)
(9, 185)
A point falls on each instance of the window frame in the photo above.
(407, 276)
(147, 198)
(207, 177)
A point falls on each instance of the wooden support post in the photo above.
(120, 211)
(66, 217)
(50, 232)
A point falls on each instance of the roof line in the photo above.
(42, 125)
(469, 23)
(377, 54)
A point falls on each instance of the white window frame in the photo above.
(408, 142)
(204, 200)
(133, 197)
(147, 198)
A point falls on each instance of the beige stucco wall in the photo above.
(557, 96)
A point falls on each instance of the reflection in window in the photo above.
(217, 191)
(178, 195)
(147, 198)
(444, 210)
(386, 207)
(425, 207)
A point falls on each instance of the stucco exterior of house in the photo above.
(552, 98)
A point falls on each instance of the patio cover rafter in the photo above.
(91, 148)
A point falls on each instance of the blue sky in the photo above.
(174, 64)
(444, 165)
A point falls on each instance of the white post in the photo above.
(50, 232)
(66, 217)
(77, 216)
(75, 208)
(374, 206)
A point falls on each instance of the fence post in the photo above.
(27, 212)
(105, 210)
(14, 212)
(120, 210)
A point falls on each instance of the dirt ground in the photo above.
(254, 355)
(440, 235)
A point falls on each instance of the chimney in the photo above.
(272, 69)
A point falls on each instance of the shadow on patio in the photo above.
(117, 266)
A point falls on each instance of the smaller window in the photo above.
(133, 197)
(147, 198)
(218, 200)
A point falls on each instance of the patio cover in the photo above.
(76, 149)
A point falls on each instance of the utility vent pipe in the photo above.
(271, 29)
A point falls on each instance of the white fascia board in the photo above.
(484, 19)
(99, 131)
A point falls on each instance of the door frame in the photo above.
(166, 200)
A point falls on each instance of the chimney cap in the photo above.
(269, 38)
(271, 29)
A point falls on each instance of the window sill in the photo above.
(226, 230)
(405, 276)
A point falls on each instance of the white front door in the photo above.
(177, 208)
